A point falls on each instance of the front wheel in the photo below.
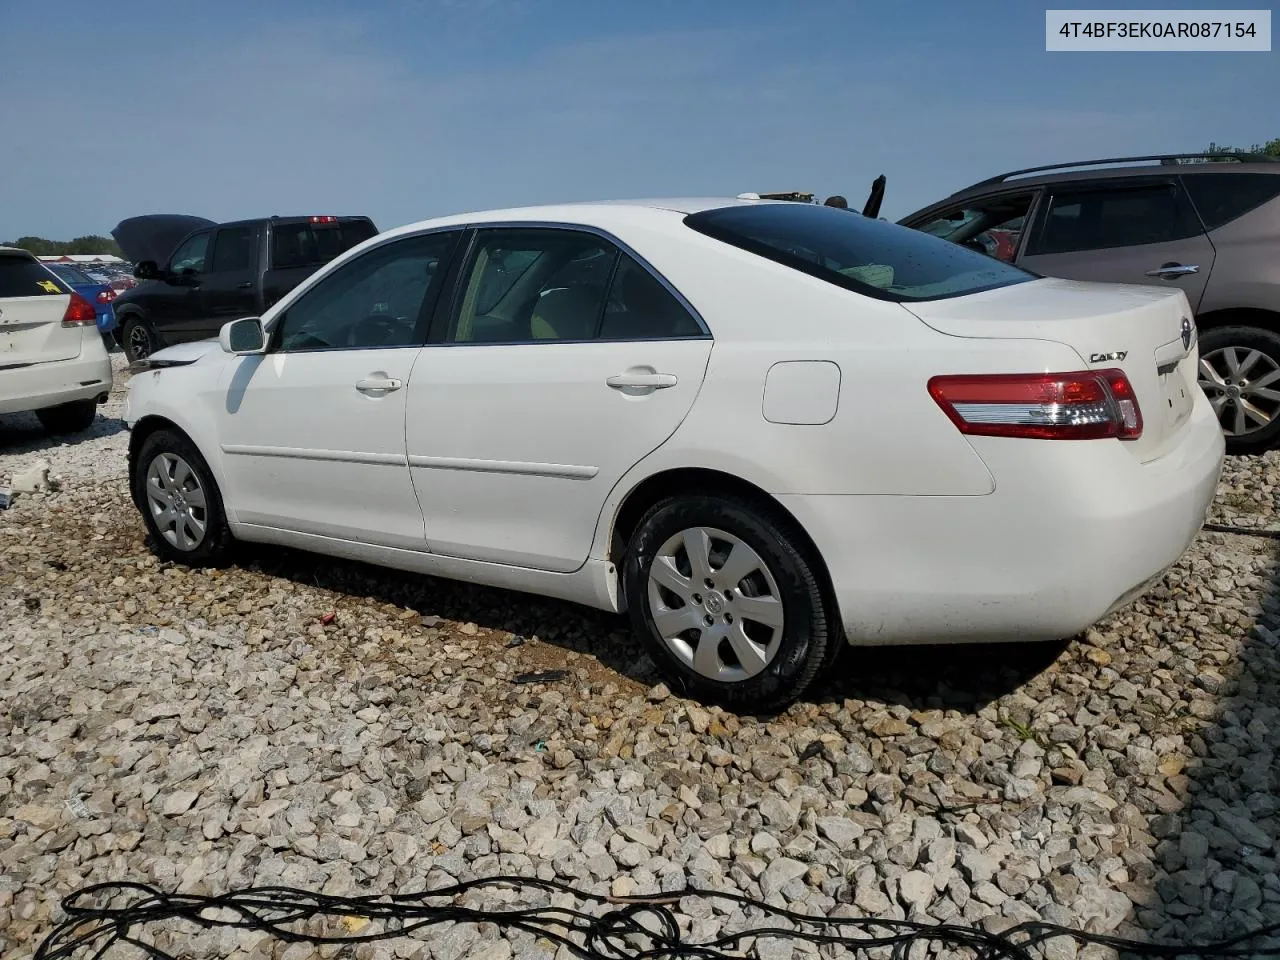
(180, 502)
(727, 601)
(1240, 373)
(138, 339)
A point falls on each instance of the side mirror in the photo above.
(147, 270)
(243, 337)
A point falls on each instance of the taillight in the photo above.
(80, 313)
(1085, 405)
(106, 296)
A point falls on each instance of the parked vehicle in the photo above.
(52, 359)
(203, 274)
(762, 428)
(97, 292)
(1211, 230)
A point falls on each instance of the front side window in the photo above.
(992, 226)
(1099, 218)
(233, 250)
(870, 257)
(382, 298)
(190, 257)
(528, 285)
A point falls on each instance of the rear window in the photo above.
(1221, 197)
(22, 277)
(871, 257)
(302, 244)
(72, 275)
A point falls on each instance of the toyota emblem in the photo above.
(1186, 333)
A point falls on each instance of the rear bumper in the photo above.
(1072, 532)
(87, 377)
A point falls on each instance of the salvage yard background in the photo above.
(321, 724)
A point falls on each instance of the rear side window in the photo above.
(302, 244)
(1221, 197)
(1100, 218)
(233, 250)
(874, 258)
(21, 277)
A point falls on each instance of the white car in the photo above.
(767, 430)
(52, 359)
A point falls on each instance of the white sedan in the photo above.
(766, 430)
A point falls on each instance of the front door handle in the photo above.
(1171, 270)
(652, 381)
(379, 384)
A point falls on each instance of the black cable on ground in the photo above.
(1242, 531)
(103, 916)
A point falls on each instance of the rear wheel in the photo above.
(138, 339)
(180, 501)
(69, 417)
(1240, 373)
(726, 600)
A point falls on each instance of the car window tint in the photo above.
(191, 255)
(233, 250)
(23, 277)
(992, 226)
(1099, 218)
(523, 286)
(871, 257)
(301, 244)
(381, 298)
(1221, 197)
(641, 308)
(72, 275)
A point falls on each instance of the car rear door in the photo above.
(563, 363)
(1142, 231)
(32, 304)
(229, 289)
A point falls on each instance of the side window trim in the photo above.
(426, 311)
(462, 257)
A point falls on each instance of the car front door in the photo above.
(178, 306)
(313, 431)
(563, 362)
(229, 289)
(1144, 231)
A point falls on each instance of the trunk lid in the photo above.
(32, 304)
(1148, 332)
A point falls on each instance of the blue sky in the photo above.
(407, 109)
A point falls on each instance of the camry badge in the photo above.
(1104, 357)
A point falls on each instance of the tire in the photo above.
(184, 528)
(769, 655)
(69, 417)
(138, 339)
(1256, 353)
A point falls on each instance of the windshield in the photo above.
(871, 257)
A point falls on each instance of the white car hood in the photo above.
(183, 353)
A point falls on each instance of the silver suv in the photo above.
(1211, 228)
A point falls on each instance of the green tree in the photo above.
(1271, 148)
(91, 243)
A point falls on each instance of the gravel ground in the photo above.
(327, 725)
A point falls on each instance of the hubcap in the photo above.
(715, 604)
(1243, 385)
(139, 341)
(177, 501)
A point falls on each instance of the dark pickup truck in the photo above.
(199, 274)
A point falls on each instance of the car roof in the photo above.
(1015, 183)
(599, 213)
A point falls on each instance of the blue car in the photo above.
(98, 294)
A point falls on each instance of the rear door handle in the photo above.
(654, 381)
(246, 285)
(379, 384)
(1171, 270)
